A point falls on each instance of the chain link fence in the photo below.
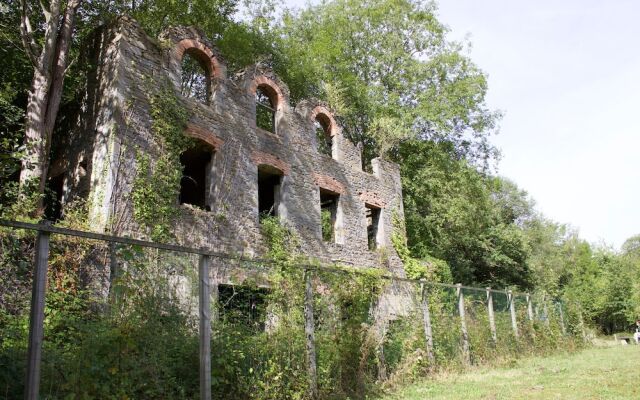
(107, 317)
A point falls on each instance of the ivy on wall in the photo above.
(427, 267)
(157, 184)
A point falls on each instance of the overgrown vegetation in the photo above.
(404, 91)
(157, 185)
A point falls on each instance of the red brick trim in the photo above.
(205, 135)
(260, 158)
(273, 90)
(329, 183)
(203, 53)
(324, 111)
(373, 199)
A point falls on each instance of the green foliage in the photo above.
(459, 215)
(157, 185)
(155, 194)
(428, 268)
(326, 221)
(391, 62)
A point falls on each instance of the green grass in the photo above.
(595, 373)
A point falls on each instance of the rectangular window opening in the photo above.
(373, 223)
(269, 183)
(243, 306)
(328, 214)
(194, 184)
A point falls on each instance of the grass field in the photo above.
(596, 373)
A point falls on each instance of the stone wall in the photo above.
(116, 126)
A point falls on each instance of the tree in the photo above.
(468, 219)
(387, 68)
(48, 41)
(631, 247)
(50, 60)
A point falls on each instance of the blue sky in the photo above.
(566, 74)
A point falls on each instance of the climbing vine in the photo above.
(427, 267)
(157, 185)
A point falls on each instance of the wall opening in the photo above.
(195, 76)
(243, 305)
(53, 198)
(265, 109)
(373, 225)
(269, 184)
(196, 180)
(322, 126)
(329, 202)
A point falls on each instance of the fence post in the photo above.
(309, 331)
(584, 332)
(214, 290)
(36, 319)
(561, 314)
(114, 272)
(512, 308)
(463, 325)
(426, 320)
(545, 309)
(205, 327)
(529, 308)
(492, 318)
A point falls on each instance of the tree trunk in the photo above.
(32, 163)
(45, 94)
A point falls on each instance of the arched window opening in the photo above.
(322, 126)
(265, 110)
(195, 77)
(196, 181)
(269, 184)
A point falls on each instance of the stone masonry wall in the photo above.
(133, 66)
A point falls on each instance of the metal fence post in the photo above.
(426, 320)
(529, 307)
(205, 327)
(492, 317)
(561, 314)
(463, 326)
(36, 319)
(545, 310)
(309, 331)
(585, 338)
(512, 308)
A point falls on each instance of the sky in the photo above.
(566, 75)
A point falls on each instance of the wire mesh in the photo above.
(16, 260)
(123, 320)
(120, 320)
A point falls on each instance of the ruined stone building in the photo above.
(253, 154)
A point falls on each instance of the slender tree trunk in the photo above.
(50, 64)
(32, 163)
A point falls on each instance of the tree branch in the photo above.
(61, 63)
(46, 11)
(26, 34)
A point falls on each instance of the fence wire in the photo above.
(122, 321)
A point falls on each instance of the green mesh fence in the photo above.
(122, 321)
(16, 260)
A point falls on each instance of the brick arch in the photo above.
(202, 53)
(265, 159)
(271, 89)
(325, 116)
